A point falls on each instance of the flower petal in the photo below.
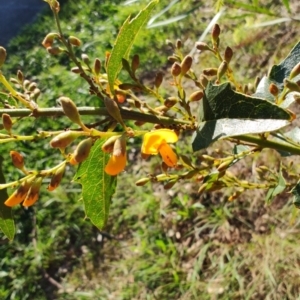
(153, 140)
(168, 155)
(116, 164)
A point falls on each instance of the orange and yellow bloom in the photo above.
(158, 142)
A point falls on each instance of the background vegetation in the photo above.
(158, 244)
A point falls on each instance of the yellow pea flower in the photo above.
(157, 142)
(117, 161)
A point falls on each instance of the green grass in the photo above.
(161, 244)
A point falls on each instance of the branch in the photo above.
(95, 111)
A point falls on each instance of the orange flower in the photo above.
(117, 161)
(157, 142)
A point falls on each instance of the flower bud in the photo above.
(210, 71)
(158, 79)
(113, 109)
(119, 146)
(273, 89)
(170, 184)
(49, 39)
(33, 193)
(83, 149)
(142, 181)
(120, 96)
(178, 44)
(7, 122)
(292, 86)
(70, 110)
(135, 63)
(64, 139)
(35, 94)
(222, 69)
(170, 102)
(73, 40)
(108, 146)
(196, 96)
(76, 70)
(20, 76)
(2, 56)
(85, 58)
(186, 64)
(203, 80)
(20, 194)
(215, 33)
(173, 58)
(55, 50)
(17, 159)
(176, 69)
(202, 46)
(295, 71)
(228, 54)
(32, 86)
(97, 66)
(55, 6)
(56, 178)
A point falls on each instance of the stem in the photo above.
(269, 144)
(92, 111)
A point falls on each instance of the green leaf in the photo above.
(97, 186)
(124, 42)
(224, 113)
(7, 225)
(280, 187)
(283, 70)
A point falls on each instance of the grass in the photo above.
(158, 244)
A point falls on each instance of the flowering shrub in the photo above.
(249, 117)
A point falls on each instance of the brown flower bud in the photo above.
(7, 122)
(202, 46)
(170, 184)
(173, 58)
(55, 50)
(76, 70)
(273, 89)
(196, 96)
(32, 86)
(222, 69)
(73, 40)
(135, 62)
(108, 146)
(210, 71)
(158, 79)
(49, 39)
(215, 33)
(64, 139)
(70, 110)
(170, 102)
(20, 76)
(178, 44)
(228, 54)
(35, 94)
(2, 56)
(56, 178)
(203, 80)
(295, 71)
(97, 66)
(17, 159)
(33, 193)
(83, 149)
(113, 109)
(85, 58)
(26, 84)
(186, 64)
(176, 69)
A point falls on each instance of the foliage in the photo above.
(209, 176)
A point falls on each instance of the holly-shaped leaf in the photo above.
(124, 42)
(97, 186)
(7, 225)
(279, 72)
(224, 113)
